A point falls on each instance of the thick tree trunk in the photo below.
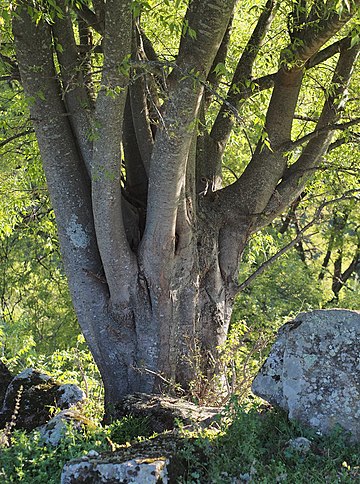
(166, 337)
(151, 243)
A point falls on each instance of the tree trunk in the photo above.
(168, 335)
(151, 242)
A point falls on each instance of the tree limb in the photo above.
(225, 120)
(214, 77)
(351, 138)
(267, 81)
(90, 18)
(349, 195)
(139, 106)
(318, 132)
(68, 183)
(209, 19)
(297, 174)
(267, 167)
(315, 35)
(75, 93)
(16, 136)
(117, 258)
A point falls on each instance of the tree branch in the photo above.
(16, 136)
(267, 81)
(209, 19)
(15, 74)
(90, 18)
(214, 77)
(225, 120)
(318, 132)
(351, 138)
(349, 195)
(258, 183)
(68, 183)
(99, 8)
(297, 174)
(315, 35)
(117, 258)
(139, 106)
(75, 93)
(279, 117)
(325, 54)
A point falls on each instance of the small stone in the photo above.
(92, 454)
(300, 444)
(55, 430)
(131, 471)
(245, 477)
(69, 395)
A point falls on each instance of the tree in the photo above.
(133, 145)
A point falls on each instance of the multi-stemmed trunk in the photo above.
(151, 242)
(167, 333)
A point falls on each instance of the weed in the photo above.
(253, 447)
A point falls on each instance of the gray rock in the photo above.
(30, 396)
(139, 470)
(300, 444)
(69, 394)
(54, 431)
(163, 412)
(148, 462)
(313, 371)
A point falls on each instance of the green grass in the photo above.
(252, 447)
(28, 461)
(248, 444)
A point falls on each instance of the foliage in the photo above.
(38, 326)
(251, 445)
(28, 460)
(248, 443)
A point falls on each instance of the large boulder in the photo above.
(5, 378)
(313, 371)
(31, 395)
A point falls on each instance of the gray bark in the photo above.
(152, 257)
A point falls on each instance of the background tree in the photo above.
(133, 145)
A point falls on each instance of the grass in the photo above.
(252, 446)
(248, 444)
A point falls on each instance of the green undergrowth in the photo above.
(28, 461)
(249, 443)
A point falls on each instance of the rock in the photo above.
(313, 371)
(142, 471)
(30, 396)
(68, 395)
(300, 444)
(148, 462)
(163, 412)
(53, 431)
(5, 378)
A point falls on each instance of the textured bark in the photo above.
(151, 243)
